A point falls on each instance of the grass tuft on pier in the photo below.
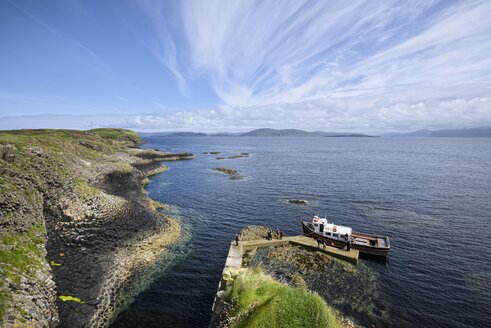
(261, 301)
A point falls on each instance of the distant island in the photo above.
(259, 133)
(479, 132)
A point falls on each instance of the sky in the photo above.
(216, 66)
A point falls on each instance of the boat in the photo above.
(339, 236)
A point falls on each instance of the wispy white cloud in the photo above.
(266, 52)
(328, 114)
(329, 65)
(261, 56)
(163, 46)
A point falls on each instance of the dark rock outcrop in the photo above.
(76, 225)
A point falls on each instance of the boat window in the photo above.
(328, 234)
(316, 224)
(335, 235)
(321, 228)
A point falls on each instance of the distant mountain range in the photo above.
(479, 132)
(259, 133)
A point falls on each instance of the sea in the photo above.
(431, 196)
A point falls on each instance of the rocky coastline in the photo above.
(77, 227)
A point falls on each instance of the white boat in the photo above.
(339, 236)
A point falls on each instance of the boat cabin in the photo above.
(330, 230)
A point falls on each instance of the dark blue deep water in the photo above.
(432, 196)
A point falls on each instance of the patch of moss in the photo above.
(23, 258)
(84, 190)
(25, 255)
(66, 298)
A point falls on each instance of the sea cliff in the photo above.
(76, 225)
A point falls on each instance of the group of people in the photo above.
(279, 234)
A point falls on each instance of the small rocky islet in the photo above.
(298, 201)
(233, 174)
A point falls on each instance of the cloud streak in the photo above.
(258, 53)
(329, 115)
(330, 65)
(426, 59)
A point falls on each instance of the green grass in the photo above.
(24, 259)
(66, 298)
(261, 301)
(117, 134)
(25, 255)
(84, 190)
(21, 138)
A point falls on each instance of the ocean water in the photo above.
(432, 196)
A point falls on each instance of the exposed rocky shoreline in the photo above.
(77, 200)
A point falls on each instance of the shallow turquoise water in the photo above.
(432, 196)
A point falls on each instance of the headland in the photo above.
(77, 227)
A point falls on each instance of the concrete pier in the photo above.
(235, 253)
(310, 243)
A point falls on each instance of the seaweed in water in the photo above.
(351, 289)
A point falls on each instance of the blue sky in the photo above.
(370, 66)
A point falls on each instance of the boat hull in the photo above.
(377, 251)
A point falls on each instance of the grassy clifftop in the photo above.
(35, 167)
(72, 209)
(101, 137)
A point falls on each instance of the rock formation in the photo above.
(76, 224)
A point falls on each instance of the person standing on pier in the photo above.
(348, 242)
(236, 239)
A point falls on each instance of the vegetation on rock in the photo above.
(66, 298)
(77, 198)
(260, 301)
